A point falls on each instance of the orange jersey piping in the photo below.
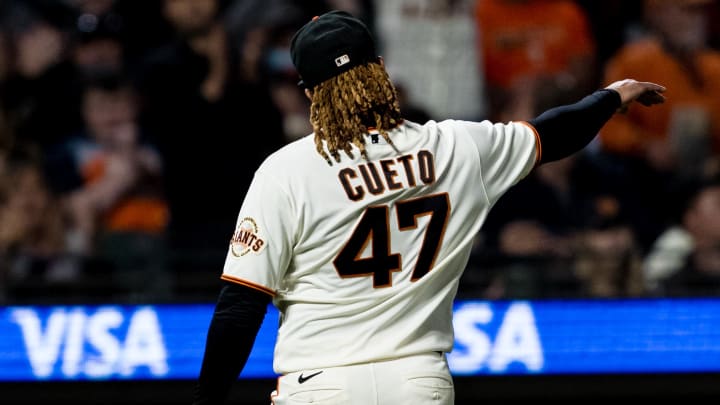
(246, 283)
(538, 144)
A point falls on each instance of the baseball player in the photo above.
(359, 232)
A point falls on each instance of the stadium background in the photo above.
(129, 131)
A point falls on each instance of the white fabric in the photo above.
(297, 217)
(418, 380)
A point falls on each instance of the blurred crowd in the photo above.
(130, 130)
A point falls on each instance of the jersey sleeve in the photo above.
(260, 247)
(508, 152)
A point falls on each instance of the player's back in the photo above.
(372, 256)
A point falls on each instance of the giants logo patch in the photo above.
(246, 238)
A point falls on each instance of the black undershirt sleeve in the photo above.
(239, 312)
(567, 129)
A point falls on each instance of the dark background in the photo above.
(688, 388)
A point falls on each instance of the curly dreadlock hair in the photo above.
(345, 107)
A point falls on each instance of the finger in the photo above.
(650, 98)
(655, 96)
(653, 87)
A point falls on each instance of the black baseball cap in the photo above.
(330, 44)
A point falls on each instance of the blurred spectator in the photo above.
(608, 258)
(527, 243)
(212, 124)
(249, 23)
(98, 46)
(275, 65)
(240, 16)
(681, 134)
(263, 31)
(681, 139)
(40, 94)
(293, 106)
(449, 81)
(535, 54)
(137, 25)
(685, 258)
(575, 241)
(117, 210)
(32, 235)
(614, 23)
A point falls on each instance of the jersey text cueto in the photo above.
(388, 174)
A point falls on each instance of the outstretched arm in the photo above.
(567, 129)
(239, 312)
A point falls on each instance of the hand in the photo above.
(645, 93)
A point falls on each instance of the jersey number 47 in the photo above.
(374, 228)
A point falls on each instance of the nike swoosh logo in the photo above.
(302, 378)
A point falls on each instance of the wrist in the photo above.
(618, 95)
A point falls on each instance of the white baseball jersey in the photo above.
(363, 258)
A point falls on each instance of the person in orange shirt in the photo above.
(535, 53)
(121, 174)
(682, 135)
(116, 205)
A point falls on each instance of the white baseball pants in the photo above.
(416, 380)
